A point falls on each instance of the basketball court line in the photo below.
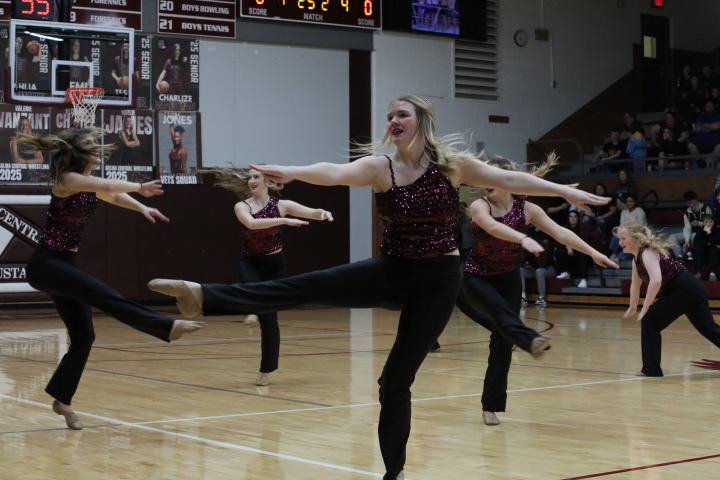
(646, 467)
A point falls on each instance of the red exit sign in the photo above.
(657, 3)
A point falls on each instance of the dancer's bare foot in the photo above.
(401, 475)
(490, 418)
(539, 345)
(188, 294)
(66, 411)
(251, 319)
(181, 327)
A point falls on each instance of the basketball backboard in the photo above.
(47, 58)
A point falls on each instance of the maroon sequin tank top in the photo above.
(490, 255)
(419, 220)
(668, 269)
(265, 240)
(66, 219)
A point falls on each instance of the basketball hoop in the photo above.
(84, 101)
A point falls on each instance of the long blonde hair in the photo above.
(68, 155)
(236, 180)
(444, 151)
(647, 237)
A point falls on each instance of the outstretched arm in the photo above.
(651, 260)
(360, 173)
(536, 216)
(75, 182)
(478, 174)
(242, 212)
(480, 212)
(634, 293)
(288, 207)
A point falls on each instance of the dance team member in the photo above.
(261, 216)
(492, 280)
(52, 269)
(677, 290)
(418, 269)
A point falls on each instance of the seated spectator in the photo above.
(696, 96)
(558, 210)
(707, 127)
(632, 213)
(715, 97)
(683, 83)
(713, 201)
(669, 147)
(681, 130)
(540, 267)
(692, 223)
(624, 187)
(706, 248)
(602, 217)
(707, 78)
(636, 146)
(628, 119)
(569, 259)
(612, 150)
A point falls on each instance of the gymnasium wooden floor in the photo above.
(190, 410)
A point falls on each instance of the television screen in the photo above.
(465, 19)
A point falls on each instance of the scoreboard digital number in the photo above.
(345, 13)
(34, 10)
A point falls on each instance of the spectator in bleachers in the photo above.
(628, 119)
(715, 97)
(670, 147)
(569, 259)
(602, 217)
(636, 147)
(541, 268)
(681, 130)
(612, 150)
(633, 213)
(624, 187)
(558, 210)
(683, 82)
(707, 78)
(707, 127)
(696, 95)
(706, 247)
(692, 223)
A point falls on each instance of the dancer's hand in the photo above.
(153, 213)
(151, 188)
(581, 199)
(641, 315)
(603, 260)
(276, 173)
(294, 222)
(532, 246)
(629, 313)
(325, 215)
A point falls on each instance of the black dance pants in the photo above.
(74, 292)
(683, 294)
(499, 296)
(258, 269)
(424, 290)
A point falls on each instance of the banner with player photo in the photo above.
(178, 147)
(176, 74)
(18, 165)
(4, 59)
(132, 133)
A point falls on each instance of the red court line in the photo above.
(594, 475)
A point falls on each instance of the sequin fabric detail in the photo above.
(265, 240)
(66, 219)
(490, 255)
(419, 219)
(668, 269)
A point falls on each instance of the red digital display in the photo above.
(34, 10)
(346, 13)
(657, 3)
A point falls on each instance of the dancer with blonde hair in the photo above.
(52, 269)
(677, 291)
(492, 280)
(261, 216)
(418, 269)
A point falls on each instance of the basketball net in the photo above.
(84, 101)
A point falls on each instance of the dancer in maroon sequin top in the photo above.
(677, 290)
(261, 216)
(52, 269)
(416, 192)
